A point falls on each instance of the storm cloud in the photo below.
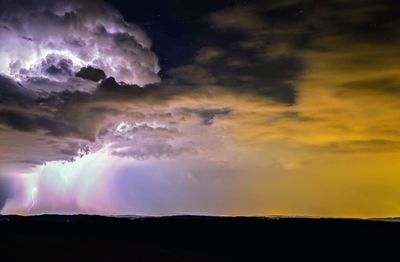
(44, 39)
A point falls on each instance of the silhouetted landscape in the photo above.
(194, 238)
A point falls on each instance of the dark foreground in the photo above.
(93, 238)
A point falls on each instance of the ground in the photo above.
(188, 238)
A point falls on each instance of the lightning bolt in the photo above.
(33, 198)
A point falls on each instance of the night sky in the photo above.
(209, 107)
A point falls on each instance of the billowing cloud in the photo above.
(44, 40)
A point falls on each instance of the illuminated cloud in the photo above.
(48, 41)
(118, 186)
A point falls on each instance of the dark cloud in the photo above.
(13, 93)
(91, 73)
(110, 84)
(263, 47)
(18, 121)
(32, 123)
(207, 115)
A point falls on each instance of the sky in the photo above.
(209, 108)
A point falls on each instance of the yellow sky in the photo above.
(335, 152)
